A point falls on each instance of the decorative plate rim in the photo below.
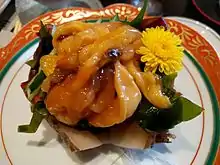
(27, 35)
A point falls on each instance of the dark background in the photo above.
(183, 8)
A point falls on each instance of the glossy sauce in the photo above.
(99, 88)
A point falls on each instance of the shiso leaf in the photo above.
(189, 109)
(159, 120)
(151, 118)
(37, 81)
(33, 86)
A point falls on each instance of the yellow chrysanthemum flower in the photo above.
(162, 50)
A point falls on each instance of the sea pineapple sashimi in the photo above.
(118, 38)
(128, 98)
(107, 91)
(70, 50)
(69, 28)
(48, 64)
(60, 100)
(127, 91)
(149, 86)
(109, 117)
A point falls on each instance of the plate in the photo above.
(196, 141)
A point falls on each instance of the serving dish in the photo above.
(199, 62)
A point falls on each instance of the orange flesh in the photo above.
(106, 95)
(61, 100)
(108, 117)
(84, 52)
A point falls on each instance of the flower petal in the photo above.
(162, 50)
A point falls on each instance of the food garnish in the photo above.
(162, 51)
(108, 76)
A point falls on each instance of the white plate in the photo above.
(194, 139)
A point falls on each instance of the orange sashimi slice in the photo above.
(48, 64)
(107, 92)
(109, 117)
(148, 85)
(127, 91)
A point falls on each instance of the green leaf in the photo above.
(115, 18)
(44, 32)
(32, 94)
(40, 107)
(152, 118)
(42, 94)
(34, 86)
(168, 80)
(46, 41)
(168, 84)
(31, 63)
(34, 124)
(39, 113)
(189, 109)
(137, 21)
(36, 81)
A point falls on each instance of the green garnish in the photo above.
(34, 124)
(152, 118)
(44, 32)
(31, 63)
(168, 87)
(168, 80)
(45, 43)
(189, 109)
(33, 94)
(33, 87)
(39, 113)
(115, 18)
(137, 21)
(37, 81)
